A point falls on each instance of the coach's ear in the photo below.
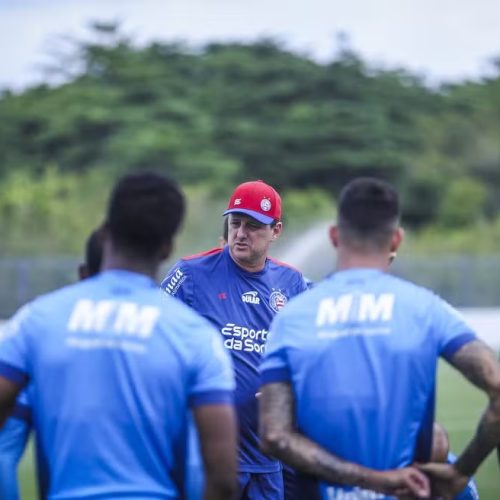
(334, 235)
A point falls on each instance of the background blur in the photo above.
(217, 92)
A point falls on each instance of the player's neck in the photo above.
(349, 259)
(119, 260)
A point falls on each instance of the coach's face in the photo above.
(249, 240)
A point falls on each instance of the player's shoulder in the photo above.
(407, 290)
(177, 313)
(181, 320)
(53, 301)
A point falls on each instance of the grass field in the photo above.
(459, 409)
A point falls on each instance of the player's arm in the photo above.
(279, 438)
(478, 364)
(9, 391)
(216, 425)
(13, 440)
(211, 399)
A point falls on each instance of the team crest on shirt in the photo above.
(265, 204)
(277, 300)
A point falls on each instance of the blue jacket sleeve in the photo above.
(179, 283)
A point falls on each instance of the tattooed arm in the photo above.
(479, 365)
(278, 438)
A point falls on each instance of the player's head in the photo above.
(254, 221)
(368, 217)
(93, 256)
(440, 444)
(144, 212)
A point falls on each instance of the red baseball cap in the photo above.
(256, 199)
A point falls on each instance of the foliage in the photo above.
(463, 203)
(50, 212)
(226, 113)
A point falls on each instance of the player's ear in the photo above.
(165, 250)
(83, 272)
(397, 239)
(333, 232)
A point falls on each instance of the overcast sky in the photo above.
(442, 39)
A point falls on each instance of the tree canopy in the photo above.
(229, 112)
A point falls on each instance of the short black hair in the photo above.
(368, 212)
(93, 252)
(144, 212)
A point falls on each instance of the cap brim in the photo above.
(264, 219)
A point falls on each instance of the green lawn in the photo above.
(459, 408)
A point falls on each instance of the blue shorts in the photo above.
(260, 485)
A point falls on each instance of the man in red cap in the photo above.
(240, 289)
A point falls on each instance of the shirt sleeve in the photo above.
(274, 366)
(14, 347)
(13, 439)
(302, 284)
(450, 328)
(179, 283)
(212, 380)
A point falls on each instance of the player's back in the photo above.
(113, 364)
(362, 350)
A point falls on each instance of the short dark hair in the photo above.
(145, 211)
(368, 212)
(93, 252)
(225, 228)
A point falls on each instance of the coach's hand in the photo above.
(406, 482)
(446, 480)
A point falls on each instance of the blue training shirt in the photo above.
(241, 305)
(360, 350)
(114, 366)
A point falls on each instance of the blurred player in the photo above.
(441, 453)
(239, 289)
(114, 367)
(354, 360)
(14, 436)
(93, 256)
(225, 231)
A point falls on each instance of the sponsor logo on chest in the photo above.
(251, 297)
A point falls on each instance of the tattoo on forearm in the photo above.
(479, 365)
(280, 440)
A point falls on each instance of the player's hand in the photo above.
(406, 482)
(446, 480)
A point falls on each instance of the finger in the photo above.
(418, 483)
